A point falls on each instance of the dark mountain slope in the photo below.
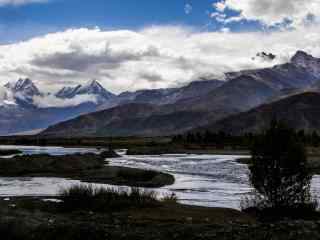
(166, 95)
(300, 112)
(127, 120)
(238, 94)
(95, 123)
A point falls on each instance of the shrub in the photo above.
(87, 197)
(170, 198)
(279, 171)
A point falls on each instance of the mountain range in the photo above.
(24, 107)
(201, 104)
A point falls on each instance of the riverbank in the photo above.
(88, 167)
(33, 219)
(186, 150)
(135, 145)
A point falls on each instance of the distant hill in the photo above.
(126, 120)
(300, 111)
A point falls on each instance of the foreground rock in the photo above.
(87, 167)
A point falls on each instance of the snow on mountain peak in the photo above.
(26, 87)
(67, 92)
(91, 88)
(22, 92)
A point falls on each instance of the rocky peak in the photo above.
(305, 60)
(25, 86)
(67, 92)
(95, 88)
(21, 93)
(91, 88)
(301, 58)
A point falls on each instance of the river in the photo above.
(203, 180)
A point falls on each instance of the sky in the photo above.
(134, 44)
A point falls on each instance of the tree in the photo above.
(279, 169)
(315, 139)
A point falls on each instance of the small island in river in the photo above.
(88, 167)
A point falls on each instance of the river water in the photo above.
(203, 180)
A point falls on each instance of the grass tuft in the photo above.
(87, 197)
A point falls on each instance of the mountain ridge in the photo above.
(243, 91)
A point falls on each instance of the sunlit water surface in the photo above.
(204, 180)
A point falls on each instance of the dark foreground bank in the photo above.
(34, 219)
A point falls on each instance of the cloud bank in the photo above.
(49, 101)
(153, 57)
(292, 13)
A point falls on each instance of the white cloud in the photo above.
(52, 101)
(20, 2)
(273, 12)
(154, 57)
(225, 30)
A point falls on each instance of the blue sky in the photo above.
(31, 18)
(25, 21)
(136, 44)
(106, 13)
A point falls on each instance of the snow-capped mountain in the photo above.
(93, 88)
(20, 110)
(67, 92)
(26, 87)
(21, 93)
(24, 93)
